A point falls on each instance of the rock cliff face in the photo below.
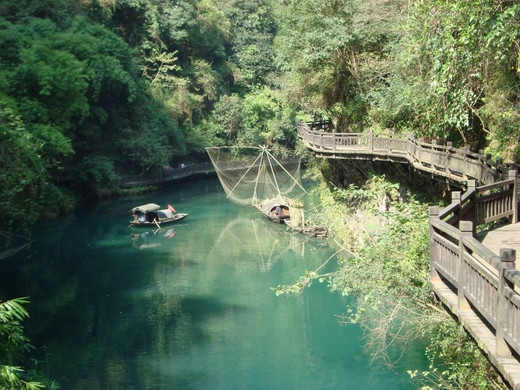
(342, 173)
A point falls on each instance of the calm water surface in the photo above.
(187, 307)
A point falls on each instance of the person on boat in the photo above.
(278, 210)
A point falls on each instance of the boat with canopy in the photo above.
(151, 215)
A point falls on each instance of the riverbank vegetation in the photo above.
(96, 90)
(93, 91)
(380, 227)
(13, 343)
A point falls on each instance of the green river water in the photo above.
(189, 306)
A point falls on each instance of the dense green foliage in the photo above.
(388, 271)
(74, 113)
(95, 90)
(12, 343)
(381, 229)
(440, 68)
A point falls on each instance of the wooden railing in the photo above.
(484, 204)
(480, 287)
(431, 156)
(172, 175)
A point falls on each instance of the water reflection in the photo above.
(11, 244)
(151, 239)
(259, 243)
(189, 306)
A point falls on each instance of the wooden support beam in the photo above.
(508, 257)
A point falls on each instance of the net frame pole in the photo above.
(245, 173)
(261, 156)
(296, 181)
(272, 171)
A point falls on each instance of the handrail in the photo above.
(171, 175)
(478, 286)
(484, 204)
(435, 157)
(480, 281)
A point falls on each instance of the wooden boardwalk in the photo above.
(433, 157)
(507, 236)
(507, 365)
(475, 276)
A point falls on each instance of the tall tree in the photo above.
(252, 30)
(455, 69)
(335, 51)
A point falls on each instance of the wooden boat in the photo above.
(151, 215)
(290, 213)
(253, 176)
(276, 210)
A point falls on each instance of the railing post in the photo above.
(371, 135)
(433, 212)
(334, 139)
(513, 174)
(508, 257)
(410, 139)
(455, 198)
(466, 230)
(472, 214)
(482, 156)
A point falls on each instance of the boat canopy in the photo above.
(271, 204)
(162, 214)
(146, 208)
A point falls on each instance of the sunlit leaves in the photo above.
(265, 120)
(206, 80)
(12, 340)
(13, 343)
(160, 67)
(228, 115)
(451, 55)
(337, 52)
(252, 30)
(313, 30)
(55, 79)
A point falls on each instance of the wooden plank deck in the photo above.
(507, 236)
(507, 366)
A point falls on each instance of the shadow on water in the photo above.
(188, 306)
